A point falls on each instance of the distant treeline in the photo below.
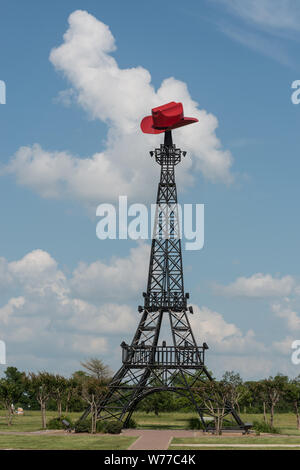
(86, 387)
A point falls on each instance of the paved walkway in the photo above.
(161, 440)
(155, 439)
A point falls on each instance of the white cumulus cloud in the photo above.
(121, 278)
(258, 286)
(211, 327)
(46, 318)
(55, 319)
(120, 97)
(284, 346)
(286, 312)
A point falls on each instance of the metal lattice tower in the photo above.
(147, 366)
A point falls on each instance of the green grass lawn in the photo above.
(163, 420)
(228, 448)
(260, 440)
(286, 422)
(237, 440)
(65, 442)
(31, 421)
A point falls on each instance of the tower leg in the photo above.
(147, 367)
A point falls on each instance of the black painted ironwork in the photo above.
(169, 356)
(147, 366)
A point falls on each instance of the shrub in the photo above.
(100, 426)
(195, 423)
(83, 426)
(261, 426)
(228, 424)
(112, 427)
(131, 424)
(56, 423)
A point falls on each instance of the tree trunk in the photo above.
(297, 415)
(265, 414)
(59, 408)
(95, 419)
(216, 425)
(94, 415)
(43, 411)
(92, 418)
(219, 426)
(272, 415)
(9, 415)
(67, 403)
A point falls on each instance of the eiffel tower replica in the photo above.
(149, 367)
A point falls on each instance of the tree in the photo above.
(13, 375)
(92, 390)
(274, 388)
(59, 391)
(71, 392)
(9, 393)
(156, 402)
(248, 398)
(42, 385)
(260, 390)
(292, 395)
(97, 369)
(11, 390)
(216, 396)
(235, 388)
(79, 376)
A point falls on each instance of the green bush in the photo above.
(83, 426)
(131, 424)
(56, 423)
(112, 427)
(195, 423)
(228, 424)
(100, 426)
(261, 426)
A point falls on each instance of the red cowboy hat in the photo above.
(166, 117)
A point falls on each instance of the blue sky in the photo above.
(60, 285)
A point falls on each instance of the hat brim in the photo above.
(148, 128)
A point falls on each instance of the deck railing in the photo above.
(163, 355)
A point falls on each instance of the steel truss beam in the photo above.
(147, 367)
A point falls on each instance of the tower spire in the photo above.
(148, 367)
